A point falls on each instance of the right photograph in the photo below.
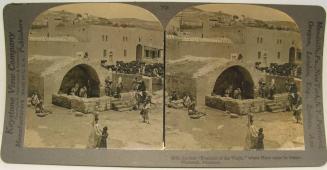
(233, 79)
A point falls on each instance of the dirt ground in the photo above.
(217, 131)
(64, 129)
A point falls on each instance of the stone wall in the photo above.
(84, 105)
(177, 48)
(282, 99)
(157, 84)
(128, 81)
(236, 106)
(280, 82)
(242, 107)
(182, 84)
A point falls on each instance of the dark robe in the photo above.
(103, 140)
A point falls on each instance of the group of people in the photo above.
(135, 67)
(233, 93)
(98, 136)
(286, 69)
(254, 138)
(77, 91)
(187, 101)
(267, 90)
(142, 98)
(113, 89)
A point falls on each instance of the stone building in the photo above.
(64, 49)
(254, 42)
(96, 41)
(218, 50)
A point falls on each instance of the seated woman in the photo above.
(35, 99)
(83, 92)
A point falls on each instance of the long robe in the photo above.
(251, 137)
(95, 135)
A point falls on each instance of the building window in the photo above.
(125, 52)
(102, 37)
(106, 37)
(279, 41)
(278, 55)
(125, 38)
(259, 40)
(259, 55)
(104, 53)
(139, 39)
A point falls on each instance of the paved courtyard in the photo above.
(217, 131)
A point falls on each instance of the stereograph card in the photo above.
(164, 84)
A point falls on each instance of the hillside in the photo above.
(67, 18)
(194, 18)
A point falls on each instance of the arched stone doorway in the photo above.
(292, 55)
(84, 75)
(236, 77)
(139, 52)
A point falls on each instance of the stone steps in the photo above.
(120, 105)
(274, 107)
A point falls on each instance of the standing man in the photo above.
(298, 110)
(119, 87)
(108, 86)
(262, 88)
(272, 89)
(146, 110)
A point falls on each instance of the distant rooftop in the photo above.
(199, 39)
(59, 39)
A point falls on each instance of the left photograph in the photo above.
(95, 78)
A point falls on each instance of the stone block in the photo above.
(62, 100)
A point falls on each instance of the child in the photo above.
(260, 145)
(103, 138)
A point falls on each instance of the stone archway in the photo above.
(236, 77)
(84, 75)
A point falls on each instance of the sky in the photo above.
(252, 11)
(106, 10)
(119, 10)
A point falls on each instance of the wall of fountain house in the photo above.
(201, 89)
(254, 44)
(102, 103)
(47, 80)
(99, 42)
